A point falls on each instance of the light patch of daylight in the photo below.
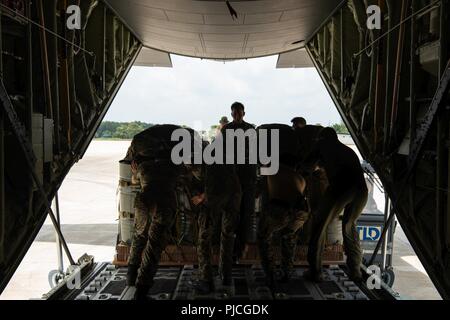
(197, 93)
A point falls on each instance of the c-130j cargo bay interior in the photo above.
(390, 86)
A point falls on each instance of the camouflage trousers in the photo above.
(317, 184)
(278, 219)
(221, 213)
(336, 199)
(155, 210)
(247, 178)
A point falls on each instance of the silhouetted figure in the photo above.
(347, 191)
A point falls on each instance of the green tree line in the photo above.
(340, 128)
(120, 130)
(127, 130)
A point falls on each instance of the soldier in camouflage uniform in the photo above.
(155, 204)
(247, 179)
(347, 190)
(284, 213)
(223, 196)
(316, 181)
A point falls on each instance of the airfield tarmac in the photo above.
(89, 221)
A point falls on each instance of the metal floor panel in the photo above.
(174, 283)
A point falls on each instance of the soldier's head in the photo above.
(328, 134)
(298, 122)
(238, 112)
(223, 121)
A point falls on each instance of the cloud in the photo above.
(196, 90)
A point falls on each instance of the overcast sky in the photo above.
(198, 93)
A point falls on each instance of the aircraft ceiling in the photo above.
(207, 29)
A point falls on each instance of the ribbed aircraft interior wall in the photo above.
(390, 86)
(57, 84)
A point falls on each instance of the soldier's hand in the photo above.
(197, 200)
(134, 167)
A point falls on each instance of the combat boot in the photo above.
(132, 274)
(287, 275)
(355, 275)
(313, 276)
(141, 293)
(204, 286)
(227, 280)
(270, 281)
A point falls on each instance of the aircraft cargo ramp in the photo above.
(106, 282)
(390, 85)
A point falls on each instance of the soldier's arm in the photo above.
(198, 180)
(198, 199)
(129, 155)
(310, 163)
